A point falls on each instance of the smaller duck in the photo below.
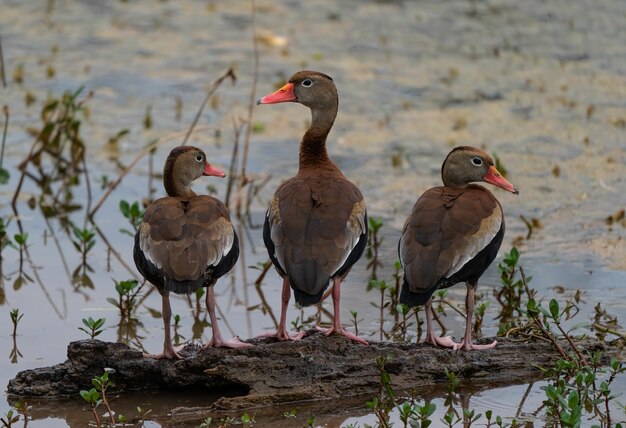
(186, 241)
(452, 235)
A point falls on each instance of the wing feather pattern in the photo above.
(316, 224)
(186, 239)
(446, 229)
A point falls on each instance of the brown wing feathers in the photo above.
(183, 241)
(446, 229)
(314, 229)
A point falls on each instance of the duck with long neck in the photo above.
(316, 225)
(186, 241)
(452, 235)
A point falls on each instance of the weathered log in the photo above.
(270, 373)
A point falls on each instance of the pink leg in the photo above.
(217, 340)
(337, 327)
(467, 344)
(281, 333)
(431, 337)
(168, 350)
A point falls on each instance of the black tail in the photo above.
(305, 299)
(184, 287)
(412, 299)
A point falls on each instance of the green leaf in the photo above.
(4, 176)
(554, 309)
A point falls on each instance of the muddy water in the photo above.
(539, 84)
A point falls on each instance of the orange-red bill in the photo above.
(211, 170)
(494, 177)
(284, 94)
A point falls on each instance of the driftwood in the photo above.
(272, 373)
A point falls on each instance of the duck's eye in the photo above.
(307, 82)
(199, 157)
(477, 161)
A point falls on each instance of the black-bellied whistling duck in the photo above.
(186, 241)
(452, 235)
(316, 225)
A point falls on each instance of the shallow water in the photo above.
(539, 84)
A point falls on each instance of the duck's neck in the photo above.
(313, 146)
(176, 188)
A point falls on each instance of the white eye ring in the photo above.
(477, 161)
(307, 82)
(199, 157)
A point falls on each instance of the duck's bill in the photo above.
(284, 94)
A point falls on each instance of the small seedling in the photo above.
(206, 423)
(9, 419)
(246, 419)
(127, 292)
(355, 321)
(94, 327)
(84, 241)
(93, 398)
(15, 319)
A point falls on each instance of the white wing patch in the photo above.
(355, 227)
(475, 243)
(144, 245)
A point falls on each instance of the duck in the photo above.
(315, 228)
(186, 241)
(452, 235)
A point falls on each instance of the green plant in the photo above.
(246, 419)
(127, 292)
(97, 396)
(384, 402)
(374, 241)
(9, 419)
(15, 319)
(510, 294)
(84, 241)
(177, 336)
(23, 409)
(21, 239)
(94, 327)
(355, 321)
(206, 423)
(415, 415)
(56, 161)
(93, 398)
(382, 287)
(133, 213)
(142, 415)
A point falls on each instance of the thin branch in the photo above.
(89, 194)
(237, 126)
(5, 110)
(118, 256)
(252, 100)
(243, 178)
(230, 73)
(2, 73)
